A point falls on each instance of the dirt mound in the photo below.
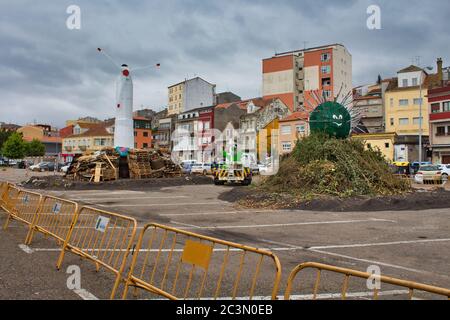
(61, 183)
(320, 165)
(410, 201)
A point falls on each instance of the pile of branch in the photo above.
(146, 164)
(96, 168)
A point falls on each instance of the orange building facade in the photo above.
(301, 78)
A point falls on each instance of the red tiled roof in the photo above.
(299, 115)
(45, 139)
(98, 130)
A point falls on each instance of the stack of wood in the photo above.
(146, 164)
(94, 168)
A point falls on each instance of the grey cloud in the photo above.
(51, 74)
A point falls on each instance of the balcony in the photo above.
(440, 116)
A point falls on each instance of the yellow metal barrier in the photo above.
(54, 218)
(22, 206)
(105, 238)
(177, 264)
(3, 190)
(10, 197)
(411, 286)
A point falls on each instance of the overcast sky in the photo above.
(49, 73)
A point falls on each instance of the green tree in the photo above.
(4, 135)
(14, 147)
(35, 148)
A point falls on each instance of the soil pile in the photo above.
(324, 166)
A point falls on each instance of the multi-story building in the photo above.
(45, 134)
(193, 136)
(295, 77)
(226, 97)
(383, 142)
(85, 120)
(439, 106)
(369, 101)
(256, 126)
(404, 115)
(8, 127)
(292, 129)
(190, 94)
(142, 132)
(91, 139)
(163, 134)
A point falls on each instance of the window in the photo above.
(326, 82)
(403, 102)
(405, 82)
(301, 129)
(207, 125)
(326, 69)
(286, 130)
(435, 108)
(325, 57)
(327, 94)
(392, 121)
(446, 106)
(403, 121)
(135, 134)
(145, 133)
(417, 121)
(417, 101)
(287, 146)
(392, 102)
(145, 145)
(415, 82)
(387, 145)
(440, 131)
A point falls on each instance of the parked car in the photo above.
(201, 168)
(428, 173)
(416, 166)
(24, 164)
(43, 166)
(12, 162)
(186, 166)
(445, 170)
(65, 167)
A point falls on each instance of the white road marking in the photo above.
(218, 213)
(379, 244)
(85, 295)
(26, 248)
(166, 204)
(368, 261)
(129, 198)
(282, 224)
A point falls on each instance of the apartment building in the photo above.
(44, 133)
(295, 77)
(191, 94)
(404, 115)
(193, 136)
(292, 129)
(439, 106)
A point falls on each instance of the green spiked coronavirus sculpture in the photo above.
(331, 118)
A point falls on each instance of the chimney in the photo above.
(439, 70)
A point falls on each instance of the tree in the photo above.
(14, 147)
(4, 135)
(35, 148)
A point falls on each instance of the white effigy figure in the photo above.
(124, 131)
(124, 126)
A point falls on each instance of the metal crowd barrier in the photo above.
(54, 218)
(103, 237)
(347, 273)
(3, 189)
(9, 198)
(22, 206)
(175, 264)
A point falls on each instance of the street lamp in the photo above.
(420, 116)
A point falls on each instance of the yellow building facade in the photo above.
(176, 94)
(384, 142)
(402, 111)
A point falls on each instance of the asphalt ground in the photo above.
(411, 245)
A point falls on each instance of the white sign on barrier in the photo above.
(101, 224)
(25, 199)
(57, 208)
